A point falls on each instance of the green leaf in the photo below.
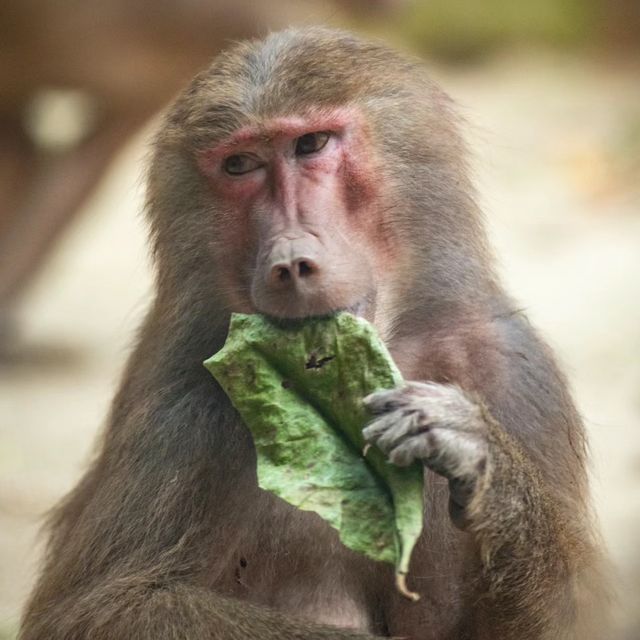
(299, 388)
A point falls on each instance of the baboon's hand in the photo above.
(437, 424)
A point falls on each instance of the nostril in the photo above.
(280, 274)
(285, 274)
(304, 269)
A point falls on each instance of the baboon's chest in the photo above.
(293, 561)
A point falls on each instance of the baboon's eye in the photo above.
(311, 142)
(241, 163)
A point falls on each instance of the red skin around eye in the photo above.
(276, 129)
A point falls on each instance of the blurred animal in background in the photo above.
(79, 79)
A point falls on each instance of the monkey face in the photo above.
(297, 197)
(310, 173)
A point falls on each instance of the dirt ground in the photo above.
(558, 172)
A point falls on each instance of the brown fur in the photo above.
(168, 536)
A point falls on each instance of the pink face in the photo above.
(300, 200)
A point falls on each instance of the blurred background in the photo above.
(551, 93)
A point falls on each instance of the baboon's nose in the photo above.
(287, 272)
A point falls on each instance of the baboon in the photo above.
(310, 172)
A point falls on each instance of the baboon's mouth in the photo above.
(357, 309)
